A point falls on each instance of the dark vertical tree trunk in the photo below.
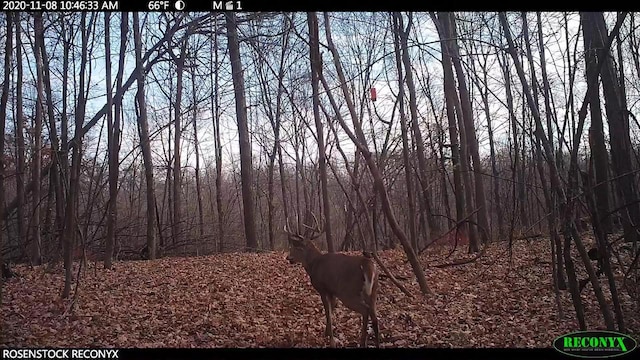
(177, 226)
(411, 212)
(432, 226)
(19, 131)
(621, 149)
(145, 143)
(4, 99)
(215, 111)
(450, 101)
(316, 68)
(470, 132)
(275, 151)
(36, 166)
(196, 146)
(64, 139)
(492, 151)
(620, 140)
(243, 132)
(599, 153)
(70, 228)
(56, 169)
(112, 204)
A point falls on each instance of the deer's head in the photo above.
(301, 243)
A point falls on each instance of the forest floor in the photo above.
(260, 300)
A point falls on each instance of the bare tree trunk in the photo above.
(432, 226)
(196, 145)
(112, 204)
(619, 133)
(439, 140)
(64, 139)
(559, 281)
(70, 228)
(145, 143)
(4, 99)
(470, 132)
(177, 226)
(494, 167)
(275, 151)
(243, 132)
(55, 173)
(450, 101)
(215, 111)
(594, 28)
(19, 131)
(411, 215)
(316, 68)
(36, 166)
(599, 153)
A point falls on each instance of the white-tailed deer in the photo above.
(352, 279)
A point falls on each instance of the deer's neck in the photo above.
(313, 253)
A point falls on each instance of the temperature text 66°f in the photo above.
(159, 5)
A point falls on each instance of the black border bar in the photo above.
(221, 6)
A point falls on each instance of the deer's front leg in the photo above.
(326, 301)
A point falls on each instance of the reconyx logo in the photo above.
(595, 344)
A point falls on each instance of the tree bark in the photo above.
(215, 111)
(619, 133)
(177, 226)
(316, 68)
(19, 131)
(411, 212)
(145, 143)
(415, 126)
(4, 99)
(36, 165)
(450, 101)
(70, 228)
(470, 131)
(246, 165)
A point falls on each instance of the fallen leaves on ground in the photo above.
(260, 300)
